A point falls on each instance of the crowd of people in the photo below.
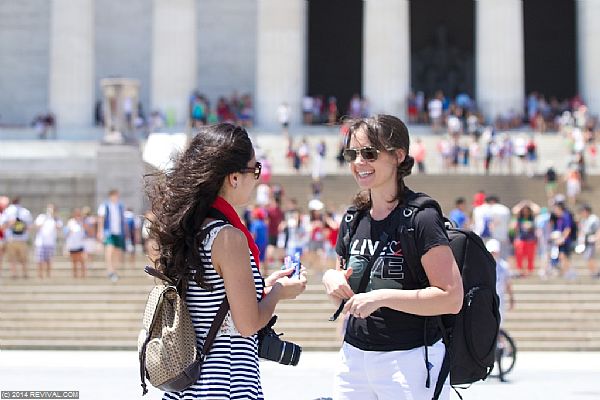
(234, 109)
(529, 233)
(193, 220)
(80, 236)
(461, 115)
(318, 110)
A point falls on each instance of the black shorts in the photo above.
(76, 251)
(273, 240)
(565, 249)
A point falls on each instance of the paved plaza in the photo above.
(114, 375)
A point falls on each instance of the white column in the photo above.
(588, 42)
(386, 55)
(71, 75)
(173, 56)
(281, 59)
(500, 68)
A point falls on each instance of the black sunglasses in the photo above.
(367, 153)
(256, 170)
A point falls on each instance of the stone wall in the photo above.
(226, 47)
(123, 43)
(66, 191)
(24, 56)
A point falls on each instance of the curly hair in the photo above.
(385, 133)
(181, 197)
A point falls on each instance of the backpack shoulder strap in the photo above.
(351, 219)
(420, 201)
(406, 233)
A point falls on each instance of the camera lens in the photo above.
(290, 353)
(274, 349)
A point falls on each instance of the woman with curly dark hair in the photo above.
(389, 349)
(212, 259)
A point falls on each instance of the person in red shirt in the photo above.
(275, 217)
(4, 202)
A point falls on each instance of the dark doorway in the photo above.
(442, 46)
(550, 53)
(335, 36)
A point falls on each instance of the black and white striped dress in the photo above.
(230, 370)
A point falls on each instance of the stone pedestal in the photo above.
(500, 65)
(174, 48)
(588, 39)
(71, 75)
(386, 57)
(281, 59)
(121, 168)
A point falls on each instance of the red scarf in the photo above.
(232, 216)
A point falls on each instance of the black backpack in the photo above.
(470, 336)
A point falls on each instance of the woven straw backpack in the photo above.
(167, 349)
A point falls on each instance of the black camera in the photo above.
(270, 347)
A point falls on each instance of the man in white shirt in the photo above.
(435, 107)
(491, 221)
(47, 226)
(112, 232)
(16, 221)
(588, 238)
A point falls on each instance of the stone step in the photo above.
(551, 317)
(58, 317)
(284, 324)
(108, 344)
(544, 306)
(541, 300)
(569, 326)
(67, 344)
(545, 297)
(131, 334)
(555, 335)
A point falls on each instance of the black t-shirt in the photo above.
(387, 329)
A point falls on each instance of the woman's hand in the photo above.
(362, 305)
(287, 288)
(336, 284)
(271, 279)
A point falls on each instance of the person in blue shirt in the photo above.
(458, 215)
(260, 231)
(563, 224)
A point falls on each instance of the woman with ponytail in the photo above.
(204, 246)
(389, 349)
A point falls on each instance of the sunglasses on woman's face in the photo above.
(367, 153)
(256, 170)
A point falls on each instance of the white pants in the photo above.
(387, 375)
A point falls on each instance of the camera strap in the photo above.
(366, 276)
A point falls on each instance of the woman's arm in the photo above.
(231, 259)
(443, 296)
